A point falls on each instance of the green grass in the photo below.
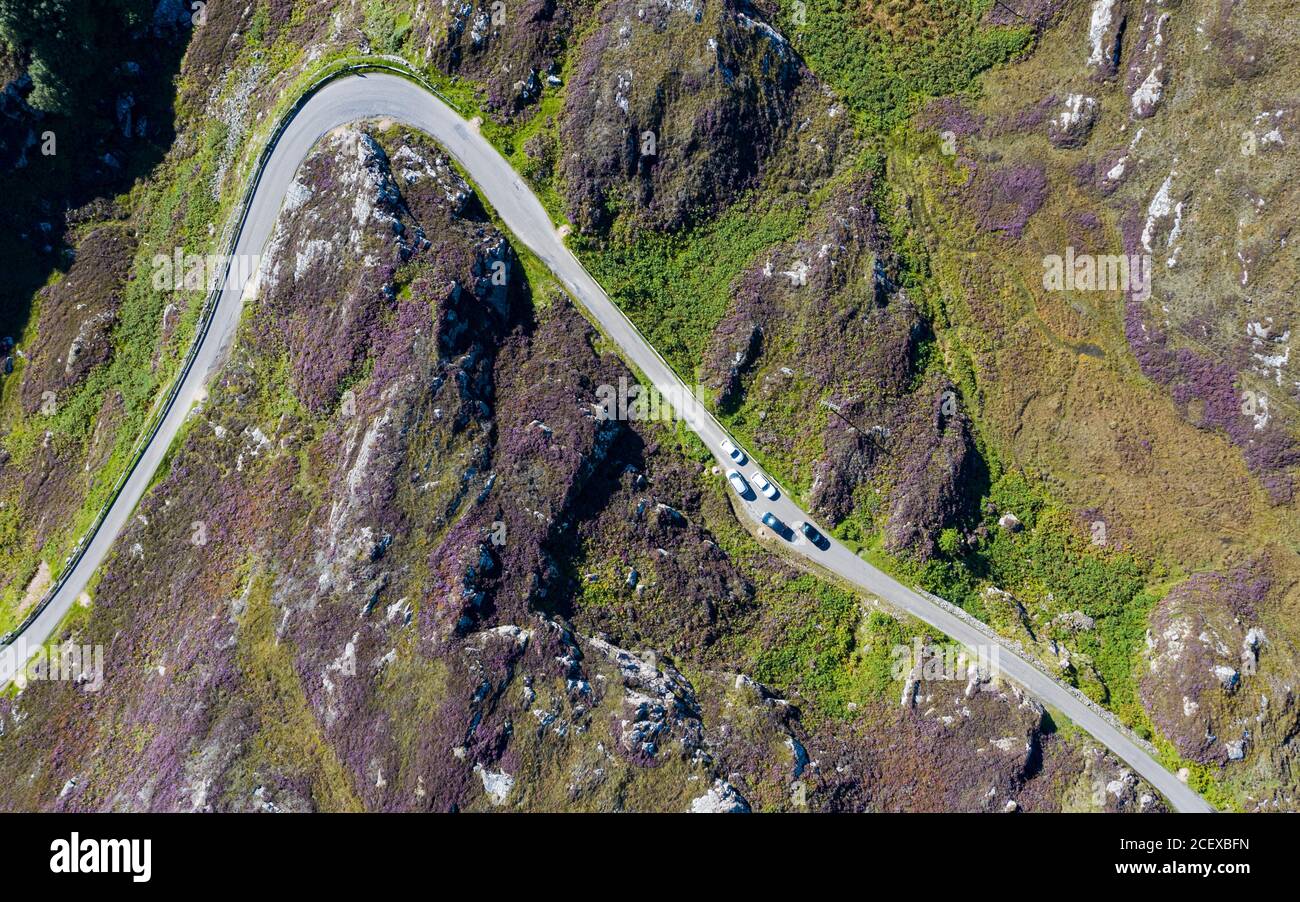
(883, 69)
(288, 736)
(676, 288)
(823, 646)
(1203, 778)
(1051, 566)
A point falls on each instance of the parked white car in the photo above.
(765, 486)
(733, 452)
(738, 483)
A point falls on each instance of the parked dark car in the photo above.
(774, 523)
(812, 535)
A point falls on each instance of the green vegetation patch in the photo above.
(288, 739)
(884, 57)
(1052, 568)
(676, 288)
(818, 641)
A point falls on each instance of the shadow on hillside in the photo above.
(57, 171)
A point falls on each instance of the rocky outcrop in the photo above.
(843, 342)
(80, 311)
(1209, 684)
(513, 49)
(1106, 24)
(1146, 76)
(935, 467)
(984, 746)
(672, 111)
(1072, 122)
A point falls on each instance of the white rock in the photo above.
(721, 798)
(1148, 93)
(1102, 14)
(497, 784)
(1227, 676)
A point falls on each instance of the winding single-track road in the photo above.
(388, 96)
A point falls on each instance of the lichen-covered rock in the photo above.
(511, 48)
(1209, 684)
(1073, 121)
(672, 111)
(1105, 28)
(1147, 74)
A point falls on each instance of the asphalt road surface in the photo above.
(370, 96)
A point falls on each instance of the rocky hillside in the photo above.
(1162, 408)
(470, 592)
(671, 111)
(840, 222)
